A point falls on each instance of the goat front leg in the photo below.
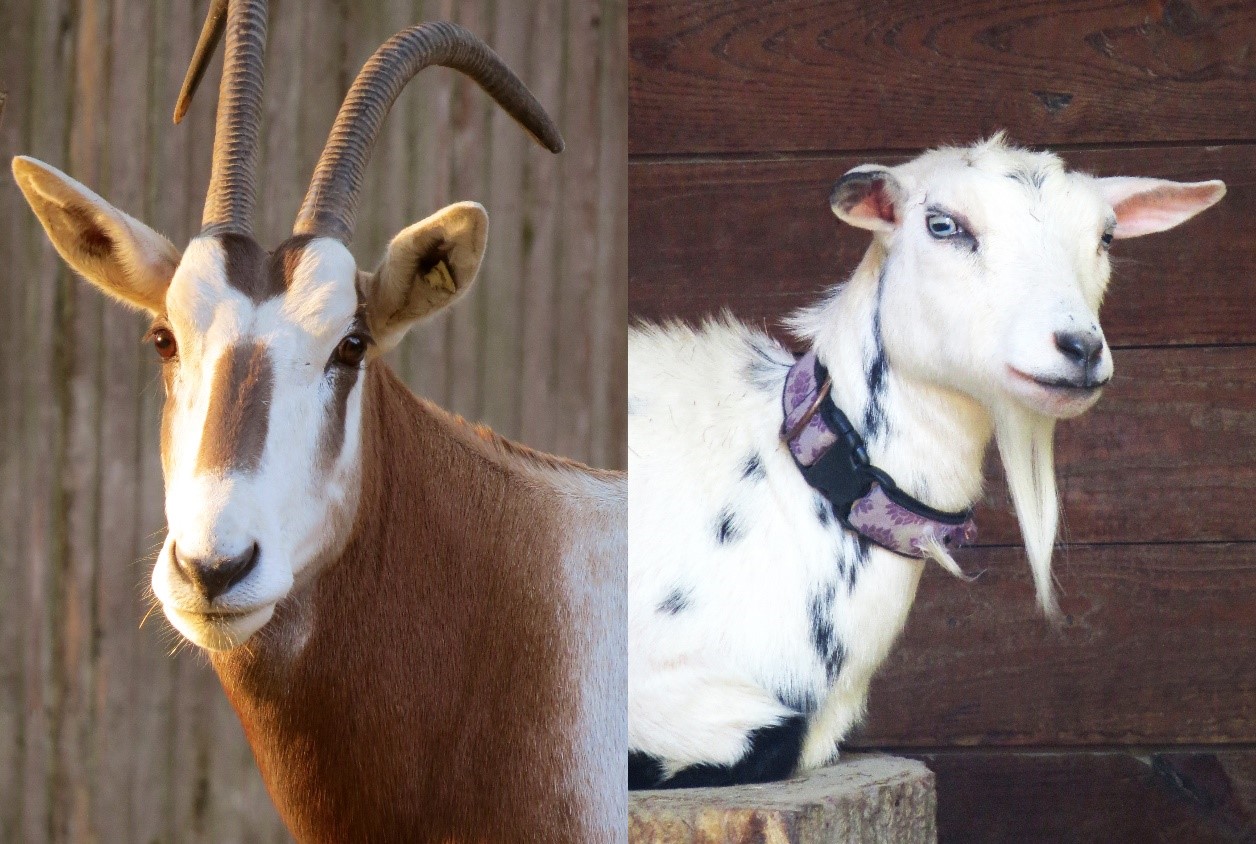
(721, 730)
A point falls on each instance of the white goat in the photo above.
(757, 614)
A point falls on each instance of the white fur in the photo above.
(967, 336)
(289, 507)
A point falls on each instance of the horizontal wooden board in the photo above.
(743, 75)
(758, 237)
(1166, 455)
(1161, 795)
(1157, 646)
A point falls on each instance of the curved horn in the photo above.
(231, 196)
(330, 205)
(211, 34)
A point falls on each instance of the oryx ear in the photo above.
(1147, 206)
(428, 266)
(111, 249)
(869, 197)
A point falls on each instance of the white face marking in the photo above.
(983, 310)
(297, 504)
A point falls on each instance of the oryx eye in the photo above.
(942, 225)
(351, 350)
(163, 342)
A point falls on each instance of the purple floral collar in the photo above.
(831, 456)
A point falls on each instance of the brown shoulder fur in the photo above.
(435, 695)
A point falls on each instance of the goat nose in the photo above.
(1082, 348)
(213, 576)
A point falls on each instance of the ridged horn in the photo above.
(231, 197)
(330, 205)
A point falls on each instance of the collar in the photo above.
(833, 459)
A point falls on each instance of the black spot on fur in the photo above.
(764, 371)
(1032, 178)
(752, 469)
(799, 700)
(874, 422)
(644, 770)
(726, 528)
(823, 638)
(773, 755)
(862, 546)
(676, 601)
(824, 511)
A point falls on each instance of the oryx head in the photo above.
(263, 352)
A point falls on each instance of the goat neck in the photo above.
(931, 440)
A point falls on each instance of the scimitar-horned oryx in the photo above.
(420, 624)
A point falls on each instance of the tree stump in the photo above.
(863, 798)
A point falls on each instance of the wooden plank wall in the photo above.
(1136, 721)
(103, 735)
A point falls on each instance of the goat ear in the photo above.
(869, 197)
(428, 266)
(1147, 206)
(111, 249)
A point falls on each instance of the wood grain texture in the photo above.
(1155, 649)
(1149, 795)
(103, 734)
(742, 116)
(758, 237)
(793, 75)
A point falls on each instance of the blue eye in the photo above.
(1107, 238)
(942, 225)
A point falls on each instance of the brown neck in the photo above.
(434, 691)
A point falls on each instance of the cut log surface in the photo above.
(863, 798)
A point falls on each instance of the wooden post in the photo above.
(863, 798)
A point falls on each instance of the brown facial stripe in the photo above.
(332, 437)
(256, 274)
(239, 411)
(342, 380)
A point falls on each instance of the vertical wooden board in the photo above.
(279, 183)
(501, 282)
(70, 596)
(17, 23)
(324, 79)
(578, 256)
(542, 224)
(114, 653)
(49, 83)
(468, 161)
(609, 397)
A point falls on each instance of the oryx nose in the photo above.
(212, 576)
(1082, 348)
